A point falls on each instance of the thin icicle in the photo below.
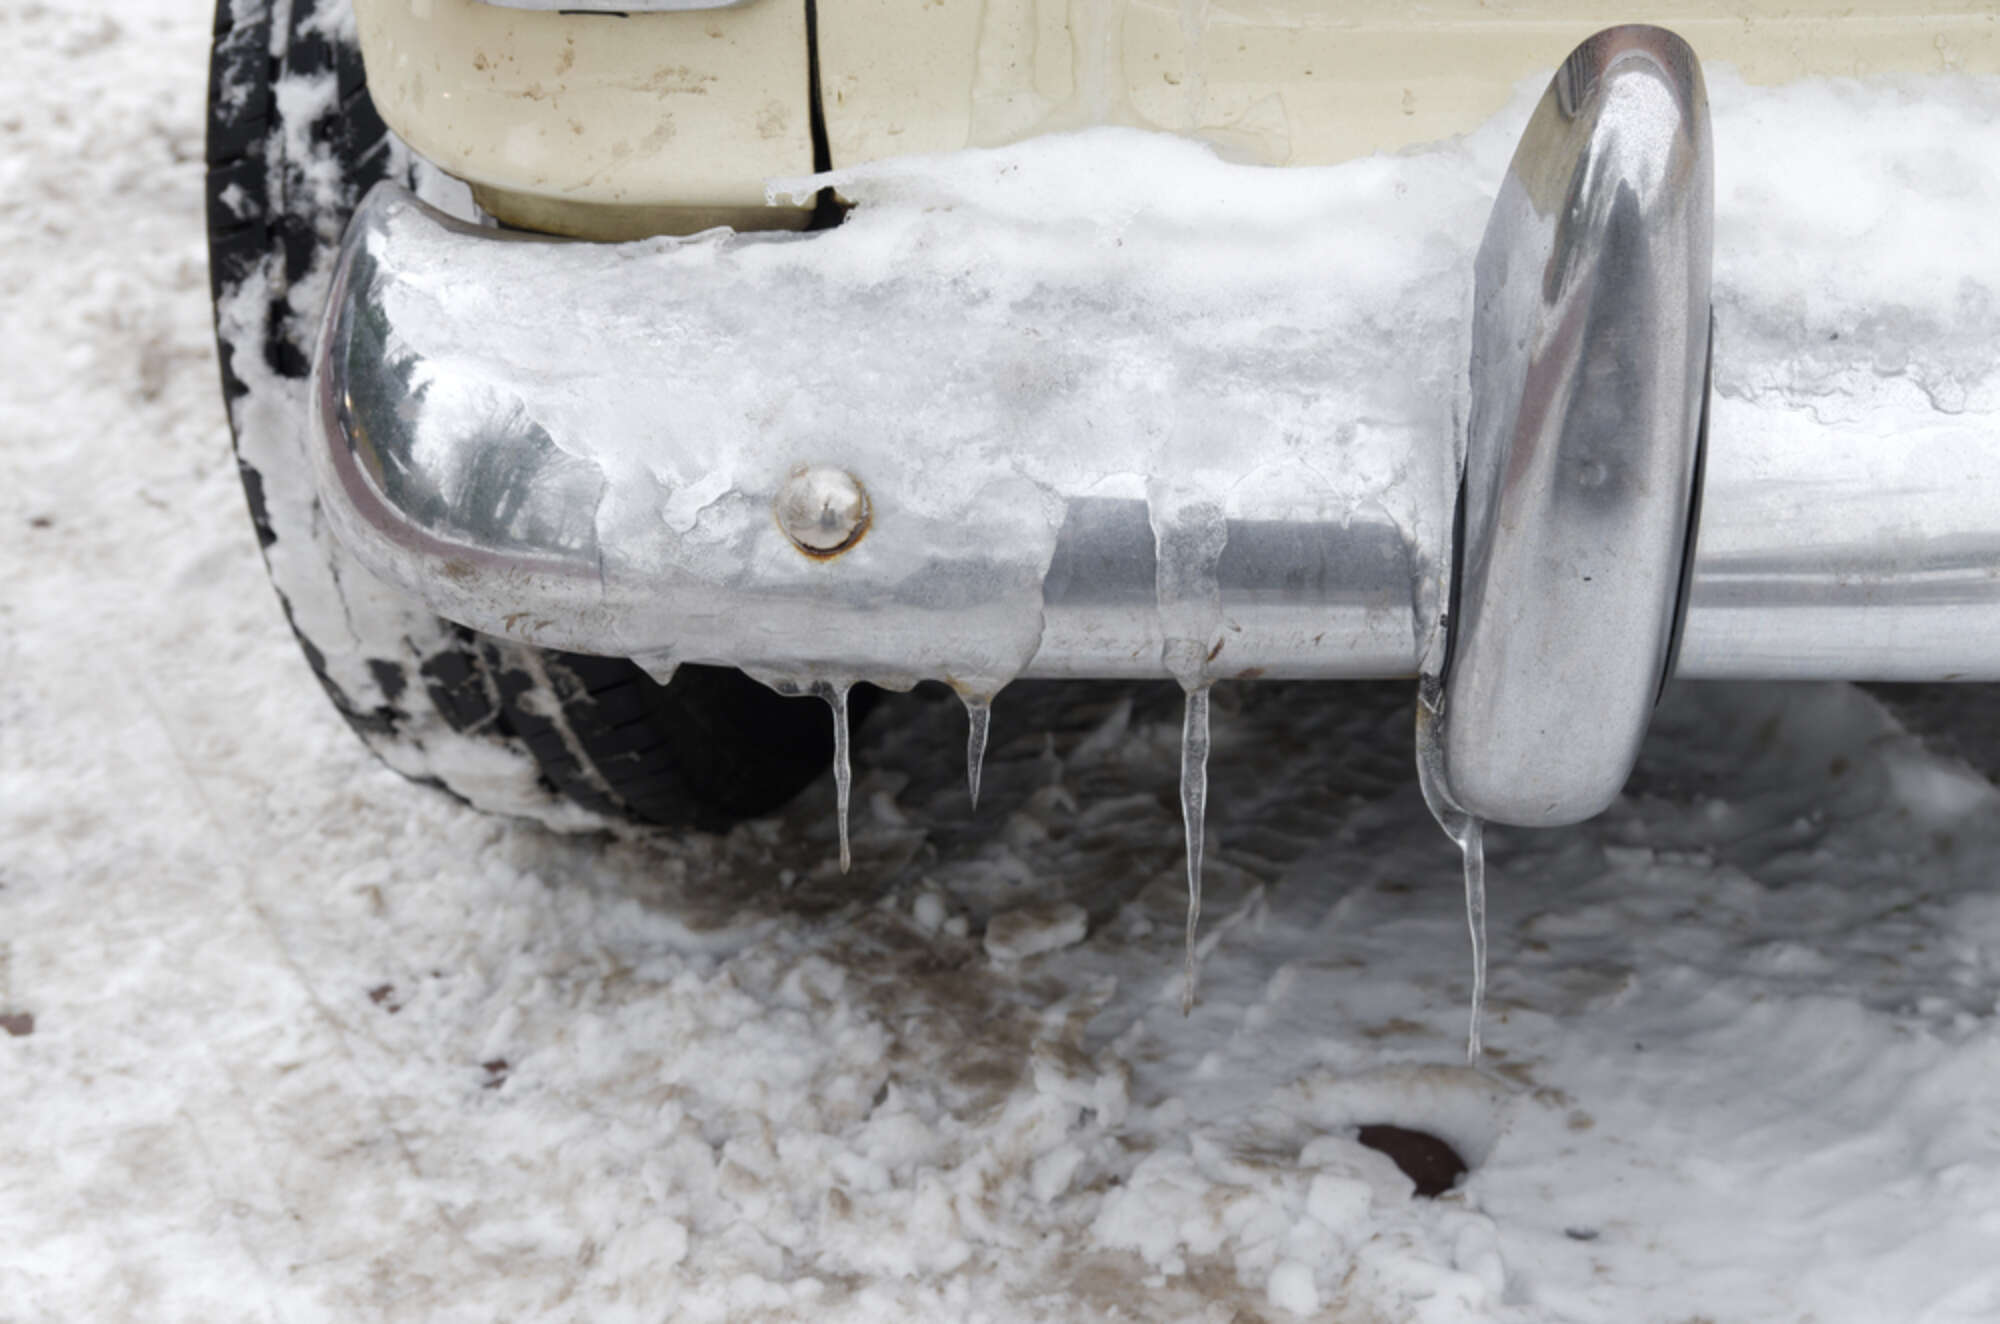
(978, 717)
(1473, 847)
(843, 775)
(1194, 807)
(1464, 829)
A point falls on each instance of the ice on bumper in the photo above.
(1027, 368)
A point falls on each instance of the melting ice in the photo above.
(978, 717)
(1194, 806)
(1464, 829)
(843, 775)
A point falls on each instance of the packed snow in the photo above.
(289, 1038)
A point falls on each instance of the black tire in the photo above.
(569, 740)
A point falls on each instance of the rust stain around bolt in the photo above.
(829, 553)
(823, 511)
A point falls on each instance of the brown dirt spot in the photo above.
(1433, 1165)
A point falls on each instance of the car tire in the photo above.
(293, 144)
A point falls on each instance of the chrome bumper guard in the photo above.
(900, 473)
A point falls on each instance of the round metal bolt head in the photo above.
(822, 509)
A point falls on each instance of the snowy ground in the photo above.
(289, 1039)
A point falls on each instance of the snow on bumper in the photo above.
(1122, 409)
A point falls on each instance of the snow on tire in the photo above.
(293, 144)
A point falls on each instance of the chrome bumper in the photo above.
(1087, 470)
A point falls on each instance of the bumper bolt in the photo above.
(823, 510)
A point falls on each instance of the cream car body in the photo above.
(614, 124)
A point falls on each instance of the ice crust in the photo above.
(988, 337)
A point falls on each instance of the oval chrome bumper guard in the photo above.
(1589, 372)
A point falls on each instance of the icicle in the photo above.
(843, 775)
(1194, 807)
(1473, 847)
(1464, 829)
(1189, 534)
(978, 717)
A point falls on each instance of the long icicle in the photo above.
(1194, 808)
(1473, 847)
(1464, 829)
(843, 775)
(978, 718)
